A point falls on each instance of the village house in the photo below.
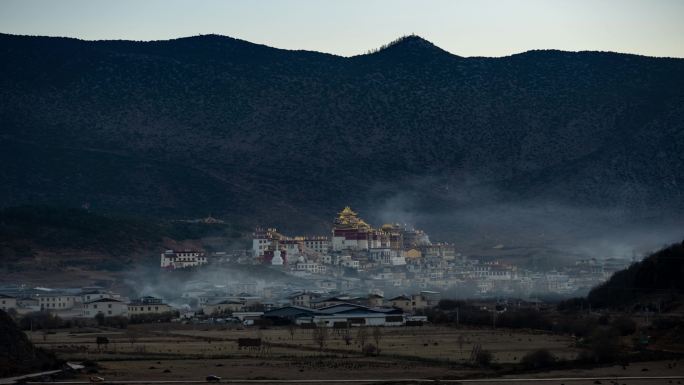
(375, 300)
(347, 261)
(410, 304)
(223, 307)
(27, 305)
(171, 259)
(148, 305)
(329, 301)
(290, 247)
(303, 299)
(354, 315)
(319, 245)
(110, 307)
(401, 302)
(7, 302)
(344, 315)
(289, 313)
(91, 295)
(312, 267)
(326, 284)
(57, 301)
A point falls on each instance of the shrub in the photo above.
(484, 358)
(603, 346)
(580, 327)
(573, 305)
(369, 350)
(538, 359)
(449, 304)
(525, 318)
(41, 320)
(624, 325)
(120, 322)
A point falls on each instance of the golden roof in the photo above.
(347, 211)
(347, 217)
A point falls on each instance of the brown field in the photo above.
(191, 352)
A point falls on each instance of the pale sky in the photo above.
(350, 27)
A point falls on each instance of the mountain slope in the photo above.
(258, 134)
(50, 238)
(17, 354)
(656, 279)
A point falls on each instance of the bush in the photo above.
(449, 304)
(120, 322)
(538, 359)
(100, 318)
(369, 350)
(484, 358)
(153, 317)
(41, 320)
(524, 319)
(624, 325)
(580, 327)
(573, 305)
(603, 346)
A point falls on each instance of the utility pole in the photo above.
(458, 323)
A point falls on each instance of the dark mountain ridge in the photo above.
(657, 278)
(263, 135)
(17, 354)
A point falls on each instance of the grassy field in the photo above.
(418, 343)
(191, 352)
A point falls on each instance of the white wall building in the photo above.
(309, 266)
(57, 301)
(7, 302)
(318, 244)
(110, 307)
(148, 305)
(347, 261)
(93, 295)
(171, 259)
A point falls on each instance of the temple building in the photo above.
(171, 259)
(269, 243)
(351, 233)
(386, 245)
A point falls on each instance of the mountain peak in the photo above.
(409, 46)
(410, 41)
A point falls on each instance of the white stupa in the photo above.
(277, 259)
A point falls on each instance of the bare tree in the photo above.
(320, 335)
(132, 336)
(377, 337)
(101, 341)
(292, 329)
(362, 336)
(347, 339)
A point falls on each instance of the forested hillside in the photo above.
(94, 240)
(658, 278)
(262, 135)
(17, 353)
